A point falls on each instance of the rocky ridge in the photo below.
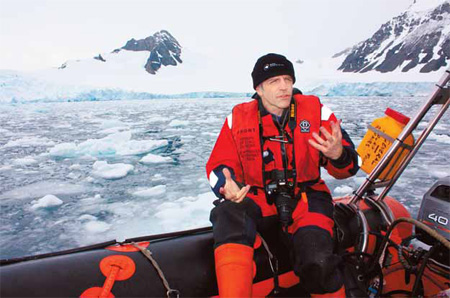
(413, 40)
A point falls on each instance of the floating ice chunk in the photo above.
(186, 212)
(440, 138)
(344, 189)
(5, 167)
(89, 179)
(157, 177)
(113, 130)
(150, 192)
(109, 123)
(187, 156)
(111, 171)
(39, 189)
(64, 150)
(359, 180)
(438, 171)
(96, 226)
(26, 161)
(114, 144)
(178, 123)
(46, 202)
(87, 217)
(152, 158)
(29, 142)
(75, 167)
(74, 176)
(154, 119)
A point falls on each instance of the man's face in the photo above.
(276, 93)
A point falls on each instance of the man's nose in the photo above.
(283, 84)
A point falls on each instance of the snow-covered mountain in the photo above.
(418, 39)
(159, 49)
(403, 58)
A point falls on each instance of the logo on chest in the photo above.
(304, 126)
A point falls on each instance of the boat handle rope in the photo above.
(273, 267)
(148, 254)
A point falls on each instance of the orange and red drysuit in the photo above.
(258, 148)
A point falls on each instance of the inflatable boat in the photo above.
(385, 252)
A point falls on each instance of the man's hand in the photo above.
(231, 190)
(331, 146)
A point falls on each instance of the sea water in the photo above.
(78, 173)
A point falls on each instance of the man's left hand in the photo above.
(329, 144)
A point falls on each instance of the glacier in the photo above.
(20, 88)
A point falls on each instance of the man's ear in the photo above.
(259, 89)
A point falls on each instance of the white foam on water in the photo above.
(40, 189)
(46, 202)
(150, 192)
(152, 158)
(111, 171)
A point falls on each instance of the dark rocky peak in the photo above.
(415, 38)
(163, 47)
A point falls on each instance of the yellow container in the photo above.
(380, 136)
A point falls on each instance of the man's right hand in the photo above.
(231, 190)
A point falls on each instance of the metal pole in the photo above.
(416, 148)
(370, 180)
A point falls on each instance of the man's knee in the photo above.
(315, 263)
(235, 222)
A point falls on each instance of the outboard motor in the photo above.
(435, 213)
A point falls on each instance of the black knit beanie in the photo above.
(271, 65)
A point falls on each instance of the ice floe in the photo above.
(150, 192)
(40, 189)
(178, 123)
(343, 190)
(114, 144)
(26, 161)
(111, 171)
(186, 212)
(153, 158)
(32, 141)
(96, 226)
(46, 202)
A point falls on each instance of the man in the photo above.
(266, 162)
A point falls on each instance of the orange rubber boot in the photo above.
(234, 270)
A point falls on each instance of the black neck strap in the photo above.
(292, 123)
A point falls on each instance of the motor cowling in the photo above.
(435, 211)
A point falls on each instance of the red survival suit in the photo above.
(260, 151)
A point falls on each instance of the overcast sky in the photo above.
(38, 34)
